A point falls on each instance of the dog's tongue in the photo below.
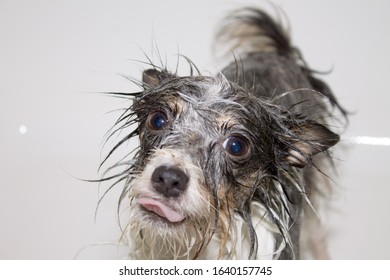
(161, 209)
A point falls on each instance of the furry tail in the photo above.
(251, 30)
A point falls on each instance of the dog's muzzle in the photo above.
(169, 182)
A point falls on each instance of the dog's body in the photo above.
(226, 166)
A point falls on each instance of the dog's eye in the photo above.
(236, 146)
(157, 120)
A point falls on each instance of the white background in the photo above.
(55, 56)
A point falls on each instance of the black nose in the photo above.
(169, 181)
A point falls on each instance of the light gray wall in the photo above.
(55, 56)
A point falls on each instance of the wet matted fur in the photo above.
(227, 166)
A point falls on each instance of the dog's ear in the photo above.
(152, 77)
(310, 139)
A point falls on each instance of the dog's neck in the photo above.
(238, 246)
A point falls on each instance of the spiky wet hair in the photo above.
(285, 116)
(282, 143)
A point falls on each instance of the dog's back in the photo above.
(267, 64)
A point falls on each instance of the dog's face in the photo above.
(208, 149)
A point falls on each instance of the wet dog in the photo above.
(228, 165)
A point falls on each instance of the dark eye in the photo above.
(236, 146)
(157, 120)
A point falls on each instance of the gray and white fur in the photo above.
(228, 165)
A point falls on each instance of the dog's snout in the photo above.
(169, 181)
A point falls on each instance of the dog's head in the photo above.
(209, 151)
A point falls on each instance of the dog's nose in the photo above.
(169, 181)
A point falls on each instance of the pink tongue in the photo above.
(161, 209)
